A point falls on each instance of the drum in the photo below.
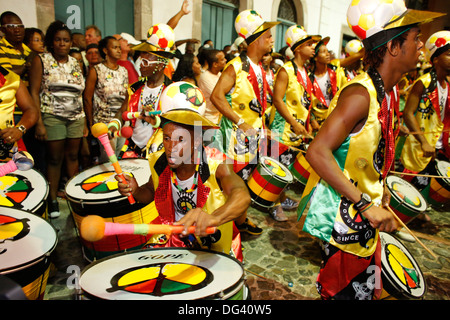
(438, 190)
(401, 275)
(406, 201)
(94, 192)
(299, 168)
(267, 181)
(164, 274)
(26, 242)
(24, 190)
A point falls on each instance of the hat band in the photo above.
(298, 43)
(439, 51)
(381, 38)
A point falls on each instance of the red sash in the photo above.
(319, 94)
(254, 81)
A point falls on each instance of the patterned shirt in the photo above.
(110, 92)
(62, 88)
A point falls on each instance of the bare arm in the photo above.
(349, 116)
(411, 105)
(173, 22)
(142, 194)
(36, 73)
(88, 95)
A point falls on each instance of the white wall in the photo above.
(25, 9)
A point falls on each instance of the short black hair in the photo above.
(29, 32)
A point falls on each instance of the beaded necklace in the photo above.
(149, 107)
(194, 184)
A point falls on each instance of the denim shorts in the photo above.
(59, 128)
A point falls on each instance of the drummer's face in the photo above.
(178, 143)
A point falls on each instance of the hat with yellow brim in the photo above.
(160, 40)
(398, 26)
(187, 117)
(147, 47)
(263, 28)
(323, 41)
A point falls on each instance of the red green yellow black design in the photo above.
(103, 182)
(12, 229)
(161, 279)
(14, 189)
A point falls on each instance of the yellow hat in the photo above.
(250, 25)
(296, 35)
(160, 40)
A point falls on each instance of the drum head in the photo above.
(98, 184)
(23, 190)
(163, 274)
(399, 269)
(24, 239)
(443, 168)
(276, 169)
(406, 194)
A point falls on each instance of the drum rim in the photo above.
(226, 293)
(392, 281)
(282, 166)
(445, 181)
(37, 259)
(423, 201)
(101, 201)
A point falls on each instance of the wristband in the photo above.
(367, 207)
(158, 122)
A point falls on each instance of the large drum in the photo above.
(267, 181)
(24, 190)
(300, 168)
(438, 191)
(406, 201)
(94, 192)
(26, 242)
(401, 275)
(164, 274)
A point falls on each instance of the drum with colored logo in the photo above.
(300, 168)
(94, 192)
(24, 190)
(438, 190)
(164, 274)
(406, 201)
(401, 275)
(26, 242)
(267, 181)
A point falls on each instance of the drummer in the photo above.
(13, 91)
(427, 109)
(145, 93)
(352, 154)
(188, 187)
(240, 95)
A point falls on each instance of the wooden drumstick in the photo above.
(411, 233)
(94, 228)
(100, 131)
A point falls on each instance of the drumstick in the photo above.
(128, 115)
(94, 228)
(410, 232)
(125, 132)
(21, 160)
(418, 175)
(100, 131)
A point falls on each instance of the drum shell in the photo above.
(30, 268)
(264, 186)
(111, 206)
(391, 287)
(405, 211)
(438, 190)
(235, 288)
(299, 168)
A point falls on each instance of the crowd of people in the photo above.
(339, 112)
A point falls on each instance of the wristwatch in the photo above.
(22, 129)
(365, 200)
(241, 121)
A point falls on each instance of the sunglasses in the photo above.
(13, 26)
(147, 63)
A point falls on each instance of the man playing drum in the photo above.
(427, 113)
(188, 187)
(353, 153)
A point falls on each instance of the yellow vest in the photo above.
(8, 97)
(207, 187)
(429, 120)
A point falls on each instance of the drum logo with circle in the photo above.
(161, 279)
(14, 189)
(100, 183)
(12, 229)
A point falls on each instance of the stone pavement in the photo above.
(280, 264)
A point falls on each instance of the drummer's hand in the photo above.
(248, 129)
(200, 219)
(126, 188)
(404, 131)
(299, 129)
(428, 150)
(10, 135)
(315, 125)
(381, 218)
